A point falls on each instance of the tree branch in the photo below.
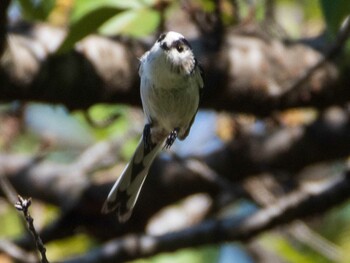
(284, 148)
(331, 52)
(102, 70)
(23, 205)
(172, 178)
(299, 204)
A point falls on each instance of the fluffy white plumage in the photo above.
(171, 84)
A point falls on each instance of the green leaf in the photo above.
(335, 12)
(83, 7)
(137, 22)
(89, 15)
(86, 25)
(288, 251)
(71, 246)
(36, 10)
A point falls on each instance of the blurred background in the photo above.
(267, 154)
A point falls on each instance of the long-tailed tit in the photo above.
(171, 85)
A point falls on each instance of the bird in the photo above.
(171, 84)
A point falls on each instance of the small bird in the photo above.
(171, 87)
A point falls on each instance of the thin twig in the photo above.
(22, 205)
(7, 188)
(299, 230)
(305, 234)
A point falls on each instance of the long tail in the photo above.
(126, 189)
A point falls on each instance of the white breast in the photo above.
(170, 99)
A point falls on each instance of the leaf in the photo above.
(335, 12)
(86, 25)
(83, 7)
(37, 10)
(89, 15)
(137, 22)
(287, 250)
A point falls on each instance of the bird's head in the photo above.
(178, 52)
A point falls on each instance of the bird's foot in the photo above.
(171, 138)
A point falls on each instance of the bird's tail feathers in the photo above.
(126, 189)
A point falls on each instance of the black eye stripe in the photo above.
(164, 46)
(161, 37)
(181, 44)
(185, 42)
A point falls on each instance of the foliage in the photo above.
(203, 255)
(9, 218)
(68, 247)
(110, 17)
(291, 252)
(335, 12)
(36, 10)
(138, 18)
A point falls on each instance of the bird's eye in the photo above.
(179, 48)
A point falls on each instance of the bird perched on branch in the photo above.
(171, 84)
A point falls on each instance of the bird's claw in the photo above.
(171, 138)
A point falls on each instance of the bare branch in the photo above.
(23, 205)
(8, 189)
(173, 178)
(332, 51)
(284, 149)
(102, 70)
(301, 203)
(298, 230)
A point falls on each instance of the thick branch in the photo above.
(171, 179)
(302, 203)
(248, 73)
(285, 149)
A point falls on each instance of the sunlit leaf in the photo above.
(137, 22)
(204, 254)
(9, 218)
(74, 245)
(288, 250)
(87, 25)
(36, 10)
(83, 7)
(134, 15)
(335, 12)
(100, 112)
